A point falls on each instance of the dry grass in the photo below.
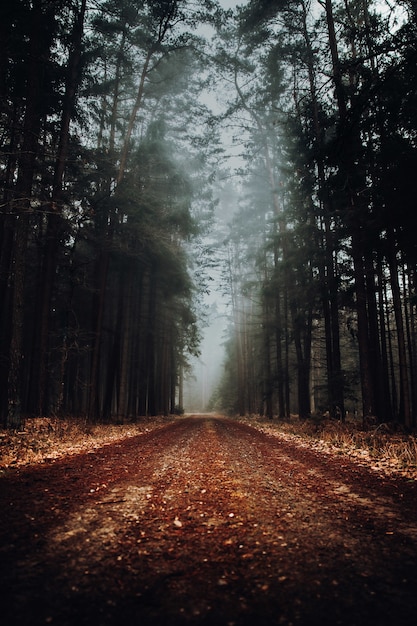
(44, 438)
(381, 446)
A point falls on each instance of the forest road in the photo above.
(207, 520)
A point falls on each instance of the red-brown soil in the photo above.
(207, 521)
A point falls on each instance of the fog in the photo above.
(206, 371)
(201, 382)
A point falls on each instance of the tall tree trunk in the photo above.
(55, 220)
(381, 406)
(238, 320)
(279, 356)
(355, 220)
(102, 264)
(412, 275)
(392, 376)
(105, 227)
(164, 366)
(113, 358)
(181, 388)
(7, 227)
(151, 346)
(267, 378)
(405, 401)
(173, 380)
(386, 396)
(302, 329)
(125, 352)
(39, 53)
(328, 274)
(103, 261)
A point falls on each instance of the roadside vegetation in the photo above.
(383, 447)
(43, 439)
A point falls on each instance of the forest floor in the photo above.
(204, 520)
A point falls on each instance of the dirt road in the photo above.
(207, 521)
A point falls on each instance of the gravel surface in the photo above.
(207, 521)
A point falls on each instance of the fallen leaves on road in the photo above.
(207, 521)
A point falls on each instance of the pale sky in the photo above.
(230, 4)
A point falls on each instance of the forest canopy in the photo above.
(113, 171)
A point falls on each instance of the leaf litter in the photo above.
(207, 521)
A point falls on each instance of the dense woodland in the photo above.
(112, 167)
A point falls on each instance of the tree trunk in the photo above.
(125, 352)
(151, 329)
(386, 396)
(328, 280)
(355, 220)
(39, 53)
(55, 210)
(99, 301)
(279, 356)
(302, 329)
(267, 386)
(7, 227)
(405, 402)
(412, 275)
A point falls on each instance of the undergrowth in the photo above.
(384, 445)
(45, 438)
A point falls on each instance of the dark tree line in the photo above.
(107, 155)
(325, 94)
(98, 175)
